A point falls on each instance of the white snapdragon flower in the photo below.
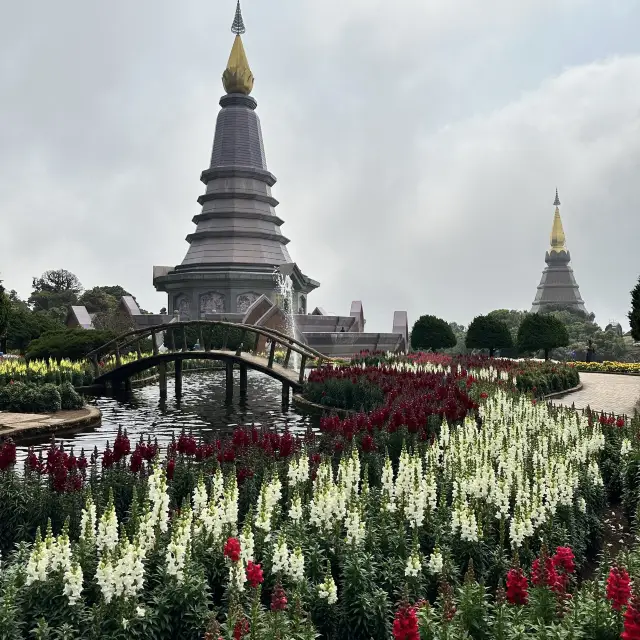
(328, 590)
(435, 561)
(246, 543)
(355, 527)
(237, 576)
(280, 562)
(159, 498)
(296, 565)
(104, 578)
(295, 512)
(414, 565)
(73, 580)
(200, 499)
(38, 563)
(179, 545)
(582, 504)
(625, 449)
(107, 537)
(298, 471)
(88, 521)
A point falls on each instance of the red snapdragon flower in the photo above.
(563, 563)
(618, 588)
(620, 422)
(278, 599)
(405, 625)
(171, 468)
(232, 549)
(544, 574)
(241, 629)
(517, 586)
(632, 620)
(484, 395)
(254, 574)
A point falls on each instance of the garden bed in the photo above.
(455, 506)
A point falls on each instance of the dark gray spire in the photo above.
(556, 202)
(238, 24)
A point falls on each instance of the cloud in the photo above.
(417, 146)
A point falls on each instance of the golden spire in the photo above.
(557, 232)
(237, 77)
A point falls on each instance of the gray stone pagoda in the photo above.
(237, 242)
(558, 287)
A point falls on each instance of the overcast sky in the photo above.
(417, 144)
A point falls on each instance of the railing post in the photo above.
(154, 343)
(225, 337)
(272, 354)
(96, 368)
(303, 363)
(201, 336)
(139, 350)
(118, 358)
(178, 377)
(184, 338)
(285, 364)
(243, 379)
(243, 335)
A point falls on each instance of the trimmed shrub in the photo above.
(487, 332)
(541, 332)
(69, 397)
(432, 333)
(74, 344)
(30, 398)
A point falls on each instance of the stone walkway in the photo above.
(605, 392)
(26, 425)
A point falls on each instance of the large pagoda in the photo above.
(558, 287)
(237, 242)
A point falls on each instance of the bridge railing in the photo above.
(124, 343)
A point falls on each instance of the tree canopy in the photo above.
(55, 290)
(541, 332)
(430, 332)
(5, 308)
(634, 313)
(488, 332)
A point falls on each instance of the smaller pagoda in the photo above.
(558, 287)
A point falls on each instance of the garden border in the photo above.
(92, 417)
(303, 403)
(609, 373)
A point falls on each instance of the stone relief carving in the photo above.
(211, 303)
(303, 305)
(245, 300)
(183, 305)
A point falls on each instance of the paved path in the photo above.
(25, 425)
(605, 392)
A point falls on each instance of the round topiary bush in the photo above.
(70, 398)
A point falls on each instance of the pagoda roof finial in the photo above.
(237, 77)
(238, 23)
(557, 232)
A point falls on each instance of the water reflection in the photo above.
(203, 408)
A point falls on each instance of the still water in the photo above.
(203, 409)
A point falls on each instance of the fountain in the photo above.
(284, 301)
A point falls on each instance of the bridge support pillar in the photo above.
(243, 379)
(162, 379)
(286, 390)
(127, 385)
(229, 380)
(178, 378)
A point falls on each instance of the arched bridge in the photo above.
(245, 355)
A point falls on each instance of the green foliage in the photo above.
(541, 332)
(431, 333)
(25, 325)
(345, 393)
(214, 336)
(74, 344)
(488, 332)
(634, 313)
(5, 307)
(55, 289)
(26, 397)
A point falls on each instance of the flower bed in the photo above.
(43, 372)
(608, 367)
(269, 534)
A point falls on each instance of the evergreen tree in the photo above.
(488, 332)
(634, 314)
(5, 306)
(432, 333)
(541, 332)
